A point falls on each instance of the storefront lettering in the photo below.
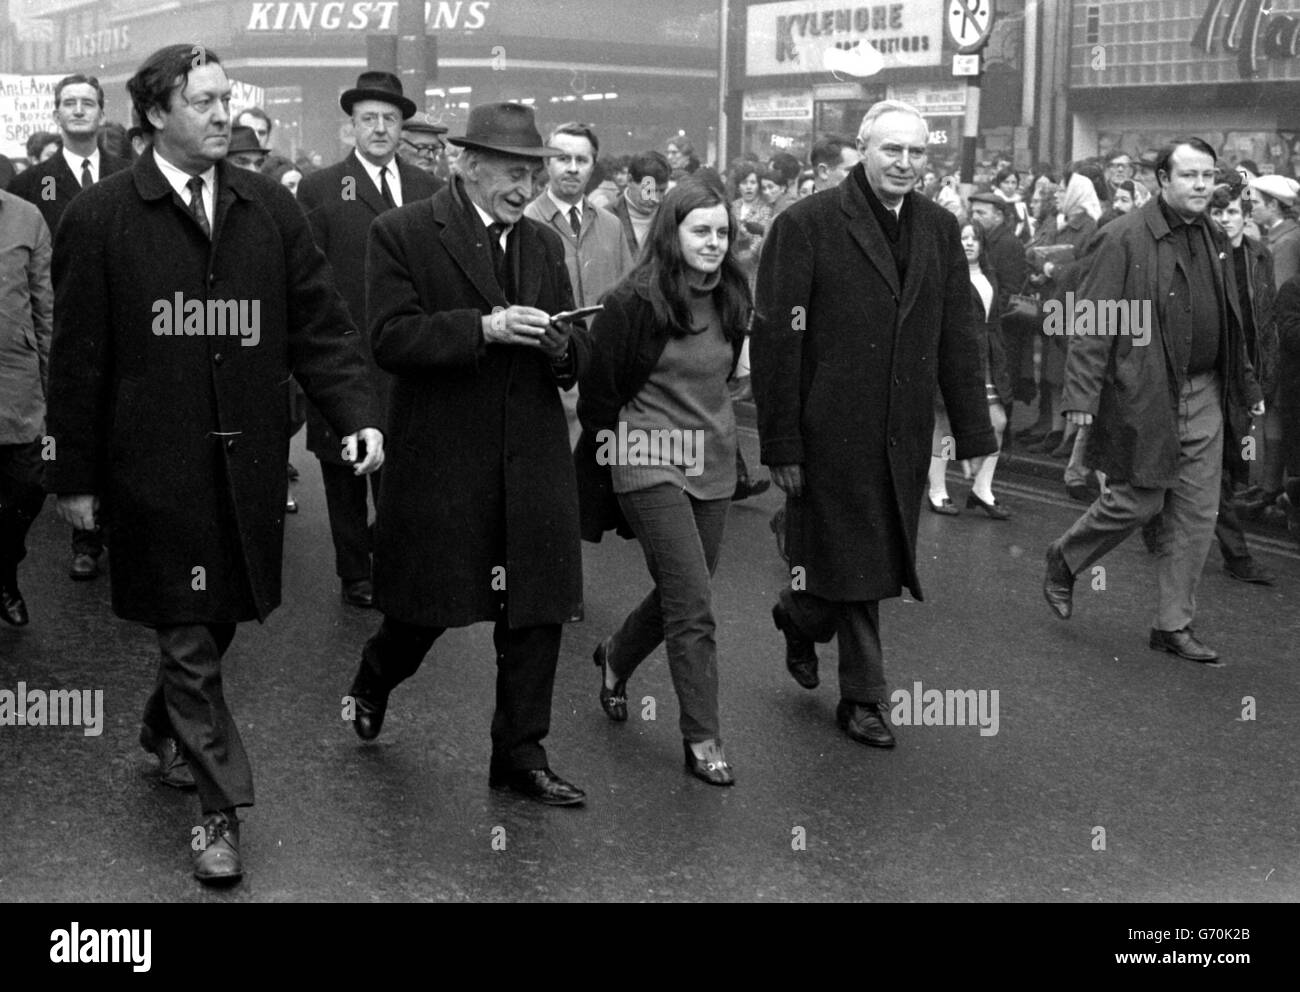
(380, 15)
(1279, 39)
(104, 42)
(860, 20)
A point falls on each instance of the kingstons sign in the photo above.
(361, 15)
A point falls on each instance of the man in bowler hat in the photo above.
(341, 201)
(478, 514)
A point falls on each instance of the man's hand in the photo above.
(79, 511)
(518, 325)
(1258, 409)
(374, 442)
(1078, 418)
(556, 340)
(789, 478)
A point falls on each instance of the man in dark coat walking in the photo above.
(187, 292)
(51, 186)
(341, 201)
(1161, 403)
(863, 307)
(478, 515)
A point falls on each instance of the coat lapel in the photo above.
(366, 191)
(66, 184)
(920, 234)
(867, 233)
(465, 240)
(529, 263)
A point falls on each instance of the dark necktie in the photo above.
(87, 180)
(195, 186)
(384, 191)
(575, 222)
(499, 256)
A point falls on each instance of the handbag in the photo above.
(1022, 306)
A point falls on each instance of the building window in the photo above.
(1093, 29)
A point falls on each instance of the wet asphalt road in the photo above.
(1094, 731)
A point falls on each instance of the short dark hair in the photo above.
(257, 112)
(652, 164)
(37, 141)
(1167, 152)
(75, 79)
(828, 149)
(580, 131)
(980, 236)
(786, 166)
(162, 74)
(1005, 174)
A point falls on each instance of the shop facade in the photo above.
(1145, 71)
(641, 74)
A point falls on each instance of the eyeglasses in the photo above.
(419, 148)
(372, 120)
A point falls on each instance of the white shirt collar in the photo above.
(74, 162)
(563, 207)
(394, 178)
(488, 220)
(179, 178)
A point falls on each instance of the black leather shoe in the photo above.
(612, 701)
(1079, 491)
(711, 768)
(173, 769)
(745, 489)
(800, 652)
(1058, 585)
(1182, 643)
(865, 723)
(360, 593)
(218, 862)
(1248, 570)
(13, 608)
(948, 508)
(995, 509)
(84, 567)
(540, 784)
(368, 715)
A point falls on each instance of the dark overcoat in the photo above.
(1288, 378)
(340, 202)
(1133, 390)
(845, 363)
(479, 473)
(183, 436)
(31, 184)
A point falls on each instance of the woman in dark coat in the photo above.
(997, 383)
(663, 350)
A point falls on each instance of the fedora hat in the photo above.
(372, 85)
(507, 128)
(243, 139)
(424, 127)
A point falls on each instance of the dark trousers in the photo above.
(857, 629)
(88, 542)
(526, 659)
(21, 499)
(188, 703)
(681, 537)
(345, 499)
(1188, 509)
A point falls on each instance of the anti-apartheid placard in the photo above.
(26, 106)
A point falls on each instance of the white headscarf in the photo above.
(1080, 194)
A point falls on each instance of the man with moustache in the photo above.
(341, 202)
(594, 248)
(1158, 413)
(480, 484)
(179, 439)
(863, 310)
(51, 186)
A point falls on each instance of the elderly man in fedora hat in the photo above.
(478, 516)
(422, 143)
(341, 200)
(245, 151)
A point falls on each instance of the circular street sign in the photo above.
(969, 24)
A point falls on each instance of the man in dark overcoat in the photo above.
(1161, 404)
(478, 515)
(341, 201)
(51, 186)
(863, 307)
(187, 293)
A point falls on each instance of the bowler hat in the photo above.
(507, 128)
(243, 139)
(372, 85)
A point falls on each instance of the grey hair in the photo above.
(883, 107)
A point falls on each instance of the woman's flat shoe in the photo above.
(713, 767)
(995, 510)
(948, 508)
(612, 701)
